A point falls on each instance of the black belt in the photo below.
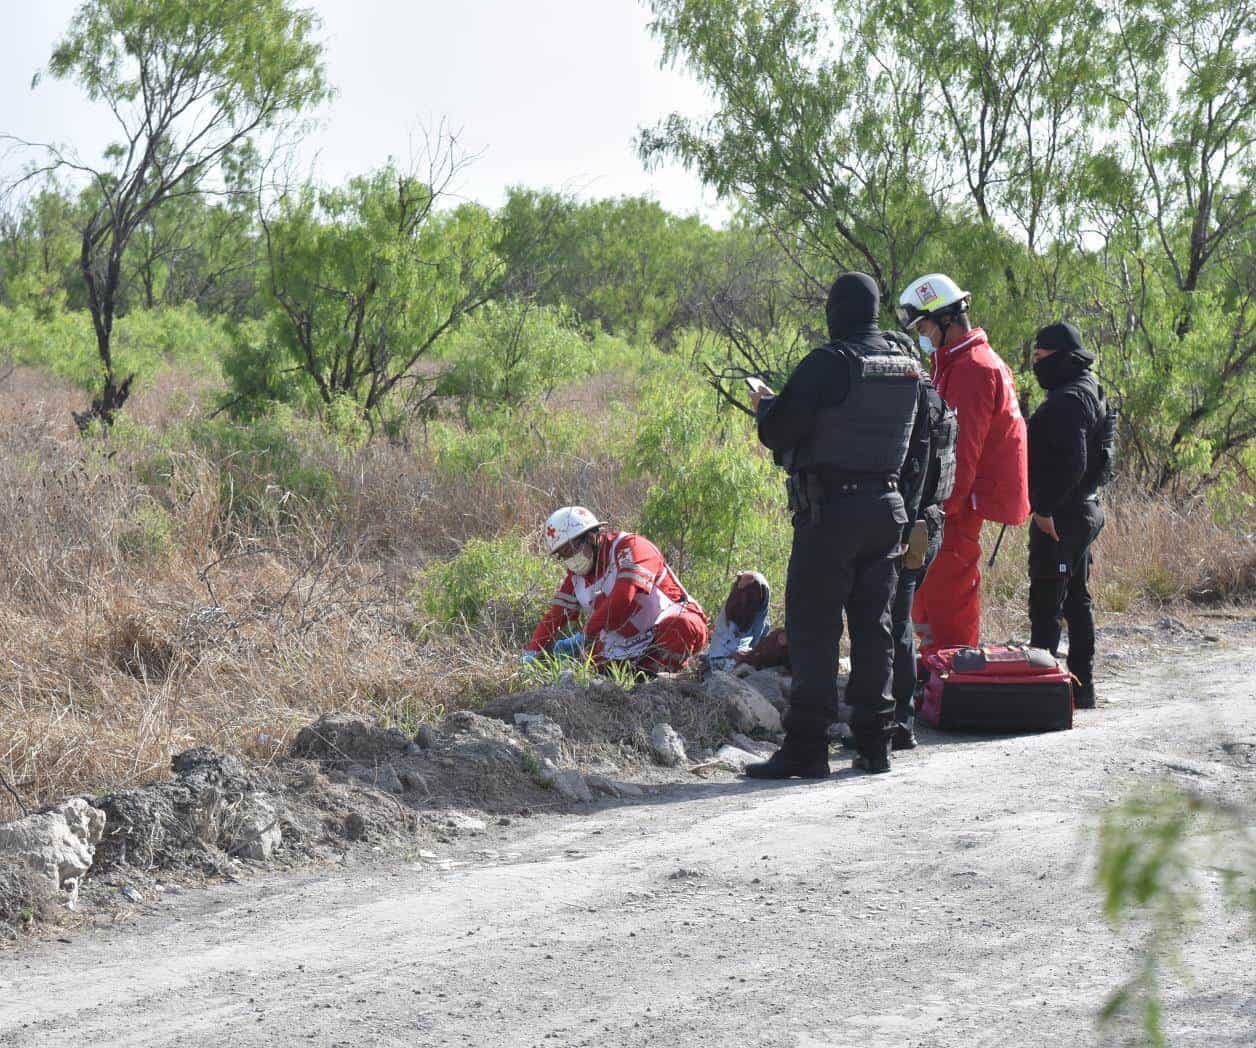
(835, 483)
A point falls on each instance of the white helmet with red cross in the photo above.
(931, 295)
(566, 524)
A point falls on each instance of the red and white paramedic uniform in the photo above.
(636, 609)
(991, 483)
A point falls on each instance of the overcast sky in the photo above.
(551, 92)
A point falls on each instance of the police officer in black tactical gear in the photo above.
(1072, 440)
(927, 481)
(842, 426)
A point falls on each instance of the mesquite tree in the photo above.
(188, 83)
(1091, 160)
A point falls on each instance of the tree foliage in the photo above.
(1088, 160)
(188, 83)
(364, 282)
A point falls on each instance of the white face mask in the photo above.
(926, 345)
(581, 563)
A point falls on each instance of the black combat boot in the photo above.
(904, 737)
(794, 760)
(1084, 696)
(873, 754)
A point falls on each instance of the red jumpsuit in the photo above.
(638, 612)
(991, 483)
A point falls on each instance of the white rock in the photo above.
(258, 833)
(465, 823)
(749, 710)
(668, 748)
(772, 685)
(58, 845)
(601, 784)
(744, 742)
(735, 757)
(571, 784)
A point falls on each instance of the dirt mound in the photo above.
(212, 808)
(22, 900)
(338, 736)
(602, 714)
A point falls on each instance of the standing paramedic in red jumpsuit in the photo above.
(991, 456)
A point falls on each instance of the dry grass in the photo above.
(136, 621)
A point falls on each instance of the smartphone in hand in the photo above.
(758, 386)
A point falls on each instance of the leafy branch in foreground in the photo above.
(1155, 853)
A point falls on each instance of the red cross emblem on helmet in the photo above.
(550, 531)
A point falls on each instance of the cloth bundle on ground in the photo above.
(742, 622)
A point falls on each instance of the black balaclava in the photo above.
(1068, 358)
(853, 305)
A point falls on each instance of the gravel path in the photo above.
(947, 904)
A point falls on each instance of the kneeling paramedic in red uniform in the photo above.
(636, 611)
(991, 458)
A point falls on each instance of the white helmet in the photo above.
(931, 294)
(566, 524)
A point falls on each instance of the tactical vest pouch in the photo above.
(804, 496)
(1107, 444)
(943, 439)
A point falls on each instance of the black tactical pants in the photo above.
(904, 687)
(1059, 576)
(846, 557)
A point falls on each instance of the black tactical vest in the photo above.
(943, 436)
(869, 431)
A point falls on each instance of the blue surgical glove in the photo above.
(527, 656)
(570, 647)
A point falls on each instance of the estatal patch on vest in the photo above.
(883, 367)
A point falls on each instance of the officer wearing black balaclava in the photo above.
(842, 427)
(1071, 451)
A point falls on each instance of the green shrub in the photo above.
(147, 531)
(143, 342)
(513, 353)
(496, 582)
(511, 442)
(715, 505)
(272, 465)
(259, 372)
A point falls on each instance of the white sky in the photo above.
(551, 92)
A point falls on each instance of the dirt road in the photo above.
(949, 903)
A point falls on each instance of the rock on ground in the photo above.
(748, 709)
(256, 832)
(735, 757)
(571, 784)
(58, 845)
(601, 784)
(544, 733)
(771, 685)
(667, 746)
